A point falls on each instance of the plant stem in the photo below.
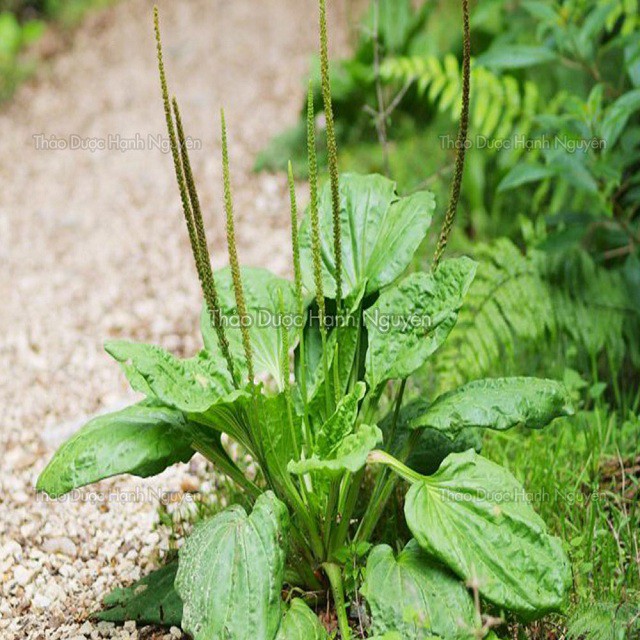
(378, 503)
(227, 466)
(382, 476)
(334, 573)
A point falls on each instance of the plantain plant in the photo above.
(309, 377)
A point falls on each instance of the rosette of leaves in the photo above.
(356, 326)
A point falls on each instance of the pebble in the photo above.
(62, 545)
(22, 576)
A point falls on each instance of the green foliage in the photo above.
(498, 403)
(301, 623)
(474, 516)
(311, 435)
(152, 600)
(381, 233)
(519, 302)
(579, 488)
(142, 440)
(415, 596)
(604, 621)
(231, 570)
(411, 320)
(500, 106)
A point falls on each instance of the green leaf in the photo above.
(340, 424)
(524, 174)
(152, 600)
(413, 318)
(260, 423)
(300, 623)
(473, 516)
(500, 404)
(188, 385)
(515, 56)
(142, 440)
(416, 596)
(380, 233)
(231, 571)
(350, 455)
(345, 336)
(262, 290)
(432, 447)
(617, 116)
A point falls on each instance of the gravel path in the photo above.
(92, 247)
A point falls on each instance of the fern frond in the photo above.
(522, 301)
(500, 106)
(508, 303)
(604, 621)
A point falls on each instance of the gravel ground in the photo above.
(92, 247)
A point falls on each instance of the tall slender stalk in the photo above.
(316, 247)
(233, 252)
(191, 207)
(297, 274)
(332, 151)
(295, 240)
(461, 141)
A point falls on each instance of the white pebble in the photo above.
(62, 545)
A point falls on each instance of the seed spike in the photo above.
(172, 139)
(461, 141)
(202, 262)
(295, 241)
(313, 207)
(316, 249)
(332, 150)
(233, 251)
(203, 259)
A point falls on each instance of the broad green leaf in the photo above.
(272, 429)
(300, 623)
(262, 291)
(500, 403)
(152, 600)
(413, 318)
(432, 447)
(515, 56)
(350, 455)
(474, 516)
(416, 596)
(191, 385)
(344, 336)
(340, 424)
(260, 423)
(380, 233)
(231, 571)
(142, 440)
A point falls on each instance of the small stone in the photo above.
(86, 629)
(22, 576)
(41, 601)
(175, 632)
(190, 484)
(62, 545)
(11, 548)
(130, 625)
